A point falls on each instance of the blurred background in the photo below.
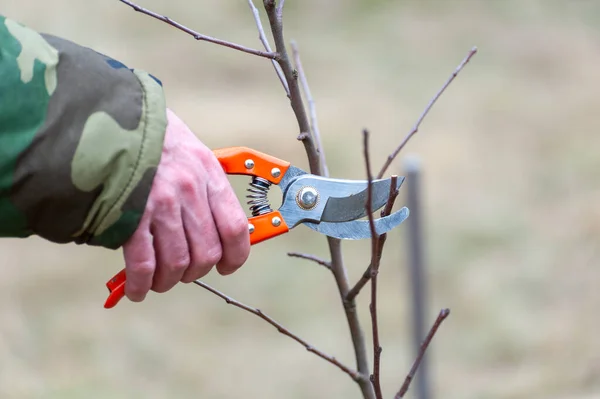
(511, 194)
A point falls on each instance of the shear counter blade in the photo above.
(359, 229)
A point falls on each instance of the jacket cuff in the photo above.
(123, 215)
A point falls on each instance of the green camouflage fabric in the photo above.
(80, 140)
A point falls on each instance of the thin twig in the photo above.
(415, 128)
(368, 205)
(352, 373)
(312, 258)
(263, 38)
(387, 210)
(364, 279)
(312, 109)
(199, 36)
(441, 317)
(375, 377)
(280, 9)
(366, 276)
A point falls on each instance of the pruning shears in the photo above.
(329, 206)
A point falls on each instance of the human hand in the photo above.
(192, 221)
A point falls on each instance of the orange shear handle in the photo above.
(246, 161)
(234, 161)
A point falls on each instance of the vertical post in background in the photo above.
(417, 272)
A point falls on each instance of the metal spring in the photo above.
(259, 203)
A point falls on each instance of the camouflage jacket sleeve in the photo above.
(80, 139)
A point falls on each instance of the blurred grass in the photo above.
(512, 178)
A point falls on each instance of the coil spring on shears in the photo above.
(259, 203)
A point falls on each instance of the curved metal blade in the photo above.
(359, 229)
(343, 209)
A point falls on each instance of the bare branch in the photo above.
(291, 78)
(387, 210)
(415, 128)
(352, 373)
(366, 276)
(265, 42)
(356, 332)
(368, 205)
(312, 110)
(312, 258)
(364, 279)
(199, 36)
(441, 317)
(375, 377)
(314, 160)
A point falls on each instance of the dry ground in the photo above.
(512, 178)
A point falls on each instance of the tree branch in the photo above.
(382, 238)
(275, 21)
(265, 42)
(441, 317)
(356, 332)
(415, 128)
(305, 135)
(364, 279)
(312, 258)
(314, 160)
(375, 377)
(387, 210)
(352, 373)
(312, 109)
(199, 36)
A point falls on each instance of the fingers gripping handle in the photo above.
(234, 161)
(261, 228)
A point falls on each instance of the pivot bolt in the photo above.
(249, 163)
(307, 197)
